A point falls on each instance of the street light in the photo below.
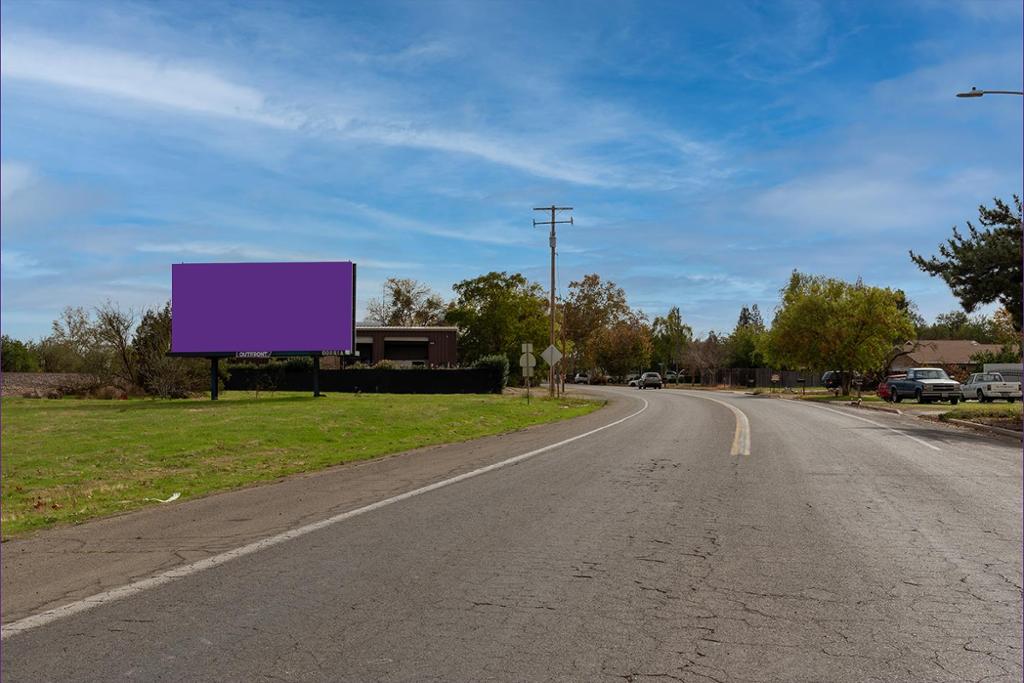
(974, 92)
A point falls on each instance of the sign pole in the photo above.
(214, 363)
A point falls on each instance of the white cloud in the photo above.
(14, 177)
(18, 265)
(382, 118)
(30, 200)
(875, 198)
(151, 81)
(258, 253)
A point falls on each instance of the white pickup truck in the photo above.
(988, 386)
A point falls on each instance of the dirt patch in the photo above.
(43, 384)
(1002, 422)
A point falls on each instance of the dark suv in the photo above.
(833, 379)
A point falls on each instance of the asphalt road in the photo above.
(838, 549)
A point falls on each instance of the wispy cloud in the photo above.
(32, 201)
(14, 177)
(199, 89)
(18, 265)
(226, 250)
(163, 83)
(792, 39)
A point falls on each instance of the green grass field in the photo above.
(69, 460)
(974, 409)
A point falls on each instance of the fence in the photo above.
(762, 377)
(370, 381)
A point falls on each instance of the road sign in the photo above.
(527, 347)
(528, 372)
(551, 355)
(527, 360)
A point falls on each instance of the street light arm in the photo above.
(974, 92)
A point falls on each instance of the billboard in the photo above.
(256, 309)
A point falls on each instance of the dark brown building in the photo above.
(432, 347)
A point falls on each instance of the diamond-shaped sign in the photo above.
(551, 355)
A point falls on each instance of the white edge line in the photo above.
(741, 437)
(877, 424)
(121, 592)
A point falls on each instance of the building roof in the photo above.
(400, 328)
(947, 351)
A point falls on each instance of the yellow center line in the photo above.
(741, 437)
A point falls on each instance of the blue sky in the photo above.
(709, 148)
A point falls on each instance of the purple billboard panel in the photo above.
(263, 307)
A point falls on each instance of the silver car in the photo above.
(649, 380)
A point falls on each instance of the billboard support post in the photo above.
(214, 367)
(316, 377)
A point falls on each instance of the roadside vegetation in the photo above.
(1006, 416)
(69, 460)
(866, 397)
(970, 411)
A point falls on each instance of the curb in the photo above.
(883, 409)
(985, 428)
(854, 404)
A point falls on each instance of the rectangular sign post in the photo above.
(262, 310)
(214, 378)
(527, 362)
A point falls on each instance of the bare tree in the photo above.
(114, 330)
(706, 355)
(407, 302)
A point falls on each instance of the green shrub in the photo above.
(497, 361)
(298, 364)
(18, 357)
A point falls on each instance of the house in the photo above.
(430, 347)
(952, 354)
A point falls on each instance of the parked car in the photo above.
(633, 380)
(581, 378)
(649, 380)
(833, 379)
(671, 376)
(883, 386)
(989, 386)
(926, 385)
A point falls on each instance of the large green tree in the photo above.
(985, 265)
(825, 323)
(495, 313)
(671, 336)
(625, 345)
(958, 325)
(592, 308)
(745, 339)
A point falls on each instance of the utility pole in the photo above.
(552, 240)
